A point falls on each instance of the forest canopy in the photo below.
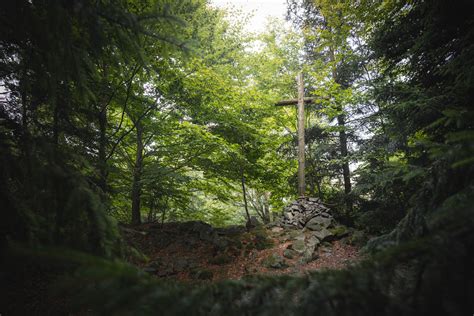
(120, 116)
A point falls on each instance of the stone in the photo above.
(322, 234)
(318, 222)
(312, 242)
(340, 231)
(276, 229)
(295, 234)
(298, 245)
(275, 261)
(288, 216)
(300, 236)
(300, 212)
(289, 253)
(308, 256)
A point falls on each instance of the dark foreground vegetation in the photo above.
(124, 125)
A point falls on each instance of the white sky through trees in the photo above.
(260, 9)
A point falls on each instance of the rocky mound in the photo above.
(196, 251)
(307, 224)
(307, 212)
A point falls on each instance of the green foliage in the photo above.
(63, 66)
(425, 106)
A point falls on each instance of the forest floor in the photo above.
(194, 251)
(189, 252)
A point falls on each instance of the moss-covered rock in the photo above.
(298, 246)
(275, 261)
(289, 253)
(308, 256)
(340, 231)
(323, 234)
(261, 239)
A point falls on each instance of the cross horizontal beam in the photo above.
(294, 101)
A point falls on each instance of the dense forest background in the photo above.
(160, 111)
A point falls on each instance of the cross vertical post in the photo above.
(301, 143)
(300, 101)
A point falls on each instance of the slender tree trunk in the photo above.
(163, 213)
(25, 140)
(57, 202)
(313, 168)
(345, 166)
(102, 165)
(242, 179)
(151, 213)
(266, 207)
(301, 143)
(311, 185)
(341, 122)
(318, 185)
(137, 173)
(56, 126)
(103, 173)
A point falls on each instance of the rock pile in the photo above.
(307, 224)
(307, 212)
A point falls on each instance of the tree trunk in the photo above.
(311, 185)
(341, 122)
(242, 179)
(56, 127)
(102, 150)
(345, 166)
(318, 185)
(25, 133)
(137, 173)
(151, 213)
(102, 165)
(163, 213)
(301, 145)
(266, 207)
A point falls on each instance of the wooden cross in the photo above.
(301, 145)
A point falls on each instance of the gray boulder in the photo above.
(289, 253)
(312, 242)
(322, 234)
(299, 246)
(308, 257)
(318, 222)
